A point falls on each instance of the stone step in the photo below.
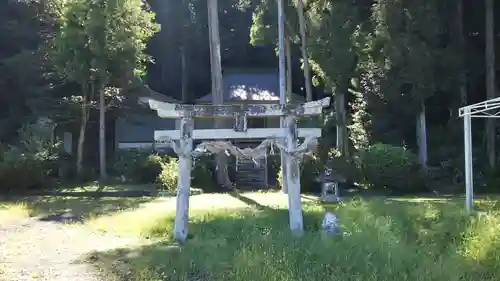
(251, 173)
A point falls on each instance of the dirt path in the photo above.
(31, 249)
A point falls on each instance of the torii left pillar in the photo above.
(184, 182)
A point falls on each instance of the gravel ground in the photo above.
(31, 249)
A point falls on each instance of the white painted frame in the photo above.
(485, 109)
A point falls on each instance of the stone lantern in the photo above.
(330, 181)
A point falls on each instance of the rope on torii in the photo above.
(309, 144)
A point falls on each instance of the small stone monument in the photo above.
(331, 225)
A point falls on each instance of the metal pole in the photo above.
(468, 161)
(282, 81)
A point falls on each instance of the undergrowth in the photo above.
(382, 240)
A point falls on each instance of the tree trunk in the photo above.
(461, 49)
(282, 86)
(422, 137)
(184, 81)
(217, 94)
(341, 120)
(81, 143)
(305, 58)
(184, 47)
(81, 136)
(102, 136)
(490, 80)
(288, 54)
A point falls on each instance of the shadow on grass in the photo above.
(96, 190)
(383, 240)
(79, 209)
(249, 201)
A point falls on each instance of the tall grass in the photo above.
(382, 240)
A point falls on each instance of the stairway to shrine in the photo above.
(251, 173)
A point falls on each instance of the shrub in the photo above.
(390, 167)
(310, 168)
(20, 172)
(345, 166)
(203, 174)
(151, 168)
(168, 177)
(274, 169)
(137, 166)
(30, 164)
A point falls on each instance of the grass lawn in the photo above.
(12, 211)
(115, 187)
(245, 237)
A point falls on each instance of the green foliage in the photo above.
(310, 169)
(202, 174)
(346, 167)
(383, 240)
(169, 175)
(103, 41)
(274, 168)
(24, 27)
(390, 167)
(30, 164)
(137, 165)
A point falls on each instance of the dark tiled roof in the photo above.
(145, 93)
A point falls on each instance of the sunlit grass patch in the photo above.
(83, 207)
(12, 210)
(145, 219)
(382, 240)
(93, 187)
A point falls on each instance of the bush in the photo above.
(21, 171)
(137, 166)
(390, 167)
(310, 168)
(151, 168)
(30, 164)
(274, 169)
(345, 166)
(168, 178)
(203, 174)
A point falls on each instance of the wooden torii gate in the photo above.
(286, 139)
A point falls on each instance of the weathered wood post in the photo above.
(184, 182)
(293, 177)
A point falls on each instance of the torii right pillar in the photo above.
(292, 177)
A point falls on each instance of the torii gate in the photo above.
(274, 137)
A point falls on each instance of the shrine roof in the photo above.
(256, 86)
(145, 94)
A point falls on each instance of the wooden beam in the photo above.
(172, 110)
(260, 133)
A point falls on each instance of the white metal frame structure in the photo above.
(486, 109)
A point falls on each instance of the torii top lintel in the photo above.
(172, 110)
